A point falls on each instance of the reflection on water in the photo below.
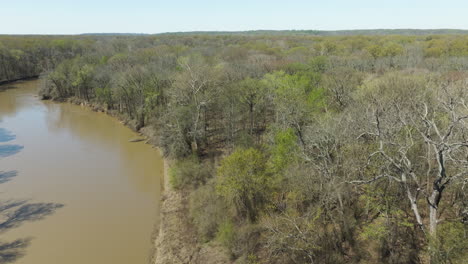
(12, 100)
(82, 159)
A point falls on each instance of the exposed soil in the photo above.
(176, 241)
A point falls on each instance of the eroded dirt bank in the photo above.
(176, 241)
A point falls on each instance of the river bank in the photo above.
(174, 239)
(90, 196)
(3, 82)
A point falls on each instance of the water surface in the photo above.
(94, 195)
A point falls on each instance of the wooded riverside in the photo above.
(290, 147)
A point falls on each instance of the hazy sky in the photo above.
(155, 16)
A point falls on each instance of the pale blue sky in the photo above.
(155, 16)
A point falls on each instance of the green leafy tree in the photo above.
(243, 179)
(284, 151)
(81, 80)
(295, 100)
(252, 94)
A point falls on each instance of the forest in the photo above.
(290, 148)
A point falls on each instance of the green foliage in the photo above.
(296, 100)
(243, 180)
(226, 234)
(319, 64)
(284, 151)
(317, 107)
(16, 54)
(376, 230)
(104, 95)
(294, 89)
(244, 140)
(435, 48)
(375, 51)
(392, 49)
(252, 259)
(252, 94)
(388, 50)
(81, 80)
(296, 67)
(451, 246)
(189, 172)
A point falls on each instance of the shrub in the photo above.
(226, 234)
(207, 211)
(189, 172)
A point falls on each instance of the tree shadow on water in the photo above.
(21, 212)
(6, 176)
(12, 251)
(5, 135)
(14, 213)
(9, 150)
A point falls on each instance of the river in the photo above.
(79, 191)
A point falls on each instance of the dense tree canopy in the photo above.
(325, 149)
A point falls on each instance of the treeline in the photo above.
(354, 32)
(29, 56)
(300, 149)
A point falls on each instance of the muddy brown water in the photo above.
(105, 190)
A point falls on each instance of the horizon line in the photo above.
(228, 31)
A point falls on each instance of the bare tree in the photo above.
(195, 89)
(421, 138)
(340, 83)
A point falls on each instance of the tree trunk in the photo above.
(194, 144)
(434, 200)
(414, 207)
(251, 106)
(299, 133)
(437, 189)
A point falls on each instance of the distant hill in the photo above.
(329, 33)
(352, 32)
(114, 34)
